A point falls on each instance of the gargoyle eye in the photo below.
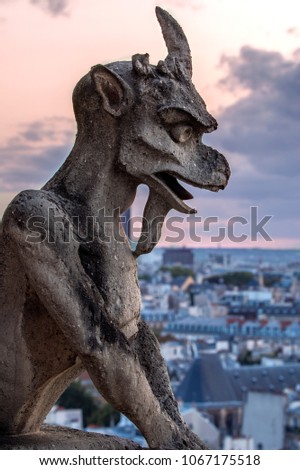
(181, 132)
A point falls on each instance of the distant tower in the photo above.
(126, 222)
(260, 275)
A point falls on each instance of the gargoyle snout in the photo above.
(220, 168)
(206, 169)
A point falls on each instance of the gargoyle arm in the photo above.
(54, 270)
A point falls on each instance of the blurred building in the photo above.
(237, 399)
(71, 418)
(178, 256)
(264, 419)
(201, 426)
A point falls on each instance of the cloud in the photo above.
(264, 125)
(259, 134)
(30, 158)
(55, 7)
(191, 4)
(294, 31)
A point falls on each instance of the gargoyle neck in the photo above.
(92, 176)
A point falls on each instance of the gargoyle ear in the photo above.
(116, 94)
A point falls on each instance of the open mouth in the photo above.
(171, 191)
(167, 185)
(171, 182)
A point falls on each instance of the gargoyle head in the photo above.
(161, 120)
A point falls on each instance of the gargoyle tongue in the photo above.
(154, 215)
(170, 181)
(169, 190)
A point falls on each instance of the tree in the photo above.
(237, 278)
(77, 396)
(178, 271)
(245, 358)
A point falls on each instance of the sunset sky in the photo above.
(246, 59)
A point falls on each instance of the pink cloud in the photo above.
(34, 153)
(191, 4)
(54, 7)
(294, 31)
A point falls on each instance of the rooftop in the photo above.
(207, 383)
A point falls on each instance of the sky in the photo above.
(246, 62)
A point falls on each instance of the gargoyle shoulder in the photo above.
(27, 207)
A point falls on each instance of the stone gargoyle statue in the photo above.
(69, 293)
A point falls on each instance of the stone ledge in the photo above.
(62, 438)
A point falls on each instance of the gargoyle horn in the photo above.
(176, 41)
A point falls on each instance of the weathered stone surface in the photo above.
(68, 277)
(61, 438)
